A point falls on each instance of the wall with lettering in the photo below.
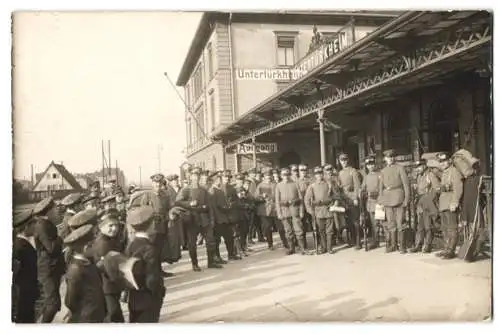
(254, 47)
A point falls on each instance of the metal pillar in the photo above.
(254, 152)
(321, 122)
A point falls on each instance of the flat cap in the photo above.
(140, 215)
(294, 168)
(82, 233)
(389, 153)
(327, 168)
(157, 177)
(22, 218)
(303, 167)
(172, 177)
(109, 198)
(369, 160)
(285, 171)
(71, 199)
(87, 216)
(43, 205)
(318, 170)
(343, 156)
(442, 156)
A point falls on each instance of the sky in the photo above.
(80, 78)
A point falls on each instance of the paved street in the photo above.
(348, 286)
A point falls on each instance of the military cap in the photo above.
(420, 162)
(369, 160)
(267, 172)
(343, 156)
(327, 168)
(87, 216)
(22, 218)
(318, 170)
(172, 177)
(389, 153)
(140, 216)
(294, 168)
(275, 171)
(112, 180)
(303, 167)
(82, 234)
(285, 171)
(157, 177)
(71, 199)
(108, 198)
(240, 177)
(108, 213)
(240, 190)
(43, 205)
(196, 170)
(442, 156)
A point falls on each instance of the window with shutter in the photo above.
(286, 49)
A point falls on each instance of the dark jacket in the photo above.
(49, 249)
(151, 284)
(102, 246)
(223, 201)
(84, 294)
(202, 213)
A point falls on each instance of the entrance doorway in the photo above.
(289, 158)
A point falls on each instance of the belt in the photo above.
(392, 188)
(321, 203)
(290, 203)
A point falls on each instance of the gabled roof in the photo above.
(64, 173)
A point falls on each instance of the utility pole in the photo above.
(140, 176)
(159, 149)
(109, 158)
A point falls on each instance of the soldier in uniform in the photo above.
(255, 227)
(370, 190)
(84, 295)
(91, 201)
(121, 204)
(173, 189)
(195, 198)
(95, 189)
(294, 172)
(265, 196)
(427, 187)
(50, 258)
(338, 218)
(87, 216)
(350, 183)
(303, 182)
(24, 270)
(290, 210)
(145, 304)
(394, 195)
(317, 199)
(72, 202)
(246, 208)
(108, 240)
(109, 202)
(161, 203)
(276, 176)
(451, 190)
(224, 198)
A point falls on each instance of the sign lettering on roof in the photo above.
(344, 38)
(261, 148)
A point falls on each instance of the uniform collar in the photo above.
(30, 240)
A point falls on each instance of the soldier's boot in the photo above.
(452, 245)
(291, 249)
(427, 242)
(402, 242)
(418, 243)
(304, 241)
(393, 242)
(217, 258)
(302, 246)
(357, 232)
(195, 266)
(446, 241)
(211, 261)
(329, 244)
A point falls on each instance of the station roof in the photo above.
(409, 31)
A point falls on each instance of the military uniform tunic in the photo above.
(451, 193)
(371, 186)
(290, 209)
(350, 182)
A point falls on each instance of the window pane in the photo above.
(281, 56)
(289, 57)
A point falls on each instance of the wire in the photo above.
(187, 107)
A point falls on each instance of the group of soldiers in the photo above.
(110, 248)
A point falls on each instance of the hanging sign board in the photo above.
(261, 148)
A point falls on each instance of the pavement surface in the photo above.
(347, 286)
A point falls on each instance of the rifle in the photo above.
(362, 220)
(315, 233)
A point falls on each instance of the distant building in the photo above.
(56, 177)
(84, 181)
(109, 173)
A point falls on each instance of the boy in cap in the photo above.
(426, 190)
(394, 195)
(196, 199)
(370, 191)
(24, 269)
(108, 240)
(84, 295)
(145, 304)
(349, 181)
(50, 258)
(84, 217)
(290, 210)
(451, 190)
(72, 203)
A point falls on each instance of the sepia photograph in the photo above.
(252, 166)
